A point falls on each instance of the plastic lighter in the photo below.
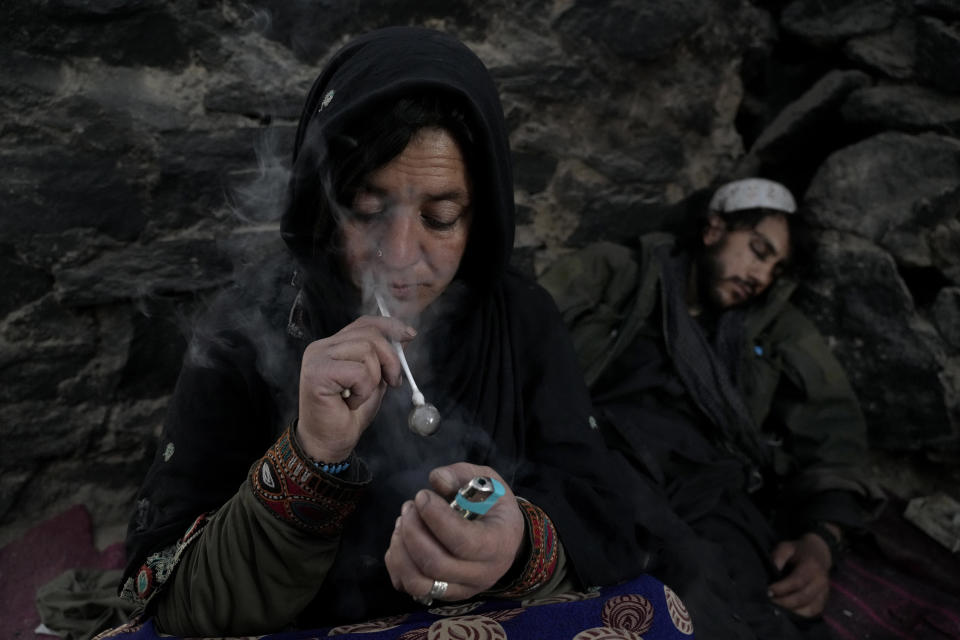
(477, 496)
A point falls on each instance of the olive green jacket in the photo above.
(791, 381)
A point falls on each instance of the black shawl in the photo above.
(492, 354)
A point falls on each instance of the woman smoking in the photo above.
(288, 489)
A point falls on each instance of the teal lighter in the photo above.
(477, 496)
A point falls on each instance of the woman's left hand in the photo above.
(431, 541)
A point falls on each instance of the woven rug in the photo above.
(40, 555)
(896, 584)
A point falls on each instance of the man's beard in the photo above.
(709, 274)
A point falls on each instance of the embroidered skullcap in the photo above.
(752, 193)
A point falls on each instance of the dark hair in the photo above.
(698, 219)
(800, 239)
(373, 139)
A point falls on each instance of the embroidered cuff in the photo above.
(542, 543)
(295, 491)
(158, 567)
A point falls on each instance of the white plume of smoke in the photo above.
(259, 198)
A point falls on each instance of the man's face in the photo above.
(409, 223)
(738, 265)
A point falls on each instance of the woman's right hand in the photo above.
(360, 359)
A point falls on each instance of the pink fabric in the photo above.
(41, 554)
(898, 584)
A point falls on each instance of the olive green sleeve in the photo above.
(593, 288)
(261, 558)
(599, 274)
(247, 573)
(826, 429)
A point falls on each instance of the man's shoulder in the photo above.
(791, 333)
(775, 313)
(787, 321)
(655, 239)
(603, 258)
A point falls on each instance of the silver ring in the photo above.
(438, 590)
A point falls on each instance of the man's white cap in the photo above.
(752, 193)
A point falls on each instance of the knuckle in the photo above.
(465, 547)
(372, 362)
(429, 566)
(368, 351)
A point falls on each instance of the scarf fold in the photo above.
(708, 370)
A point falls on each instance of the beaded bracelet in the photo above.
(327, 467)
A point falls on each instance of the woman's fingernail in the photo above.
(405, 507)
(410, 331)
(446, 477)
(422, 498)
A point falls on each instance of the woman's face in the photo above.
(408, 224)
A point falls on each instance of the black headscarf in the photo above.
(377, 69)
(492, 355)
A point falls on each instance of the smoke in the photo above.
(261, 196)
(260, 20)
(250, 18)
(402, 458)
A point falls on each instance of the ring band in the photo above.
(438, 590)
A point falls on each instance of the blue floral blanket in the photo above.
(641, 609)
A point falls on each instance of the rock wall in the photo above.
(144, 146)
